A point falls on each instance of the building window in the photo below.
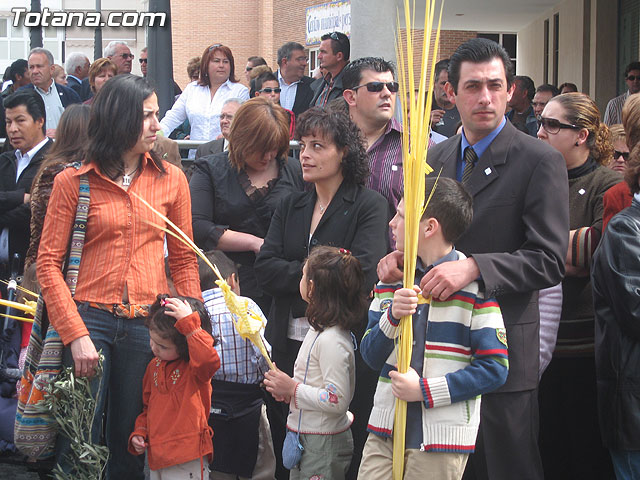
(508, 40)
(628, 38)
(14, 42)
(556, 46)
(313, 60)
(546, 51)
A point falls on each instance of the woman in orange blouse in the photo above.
(122, 267)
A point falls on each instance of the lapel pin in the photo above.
(487, 171)
(394, 168)
(582, 191)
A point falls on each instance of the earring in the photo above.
(577, 144)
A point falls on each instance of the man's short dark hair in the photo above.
(339, 43)
(478, 50)
(631, 66)
(527, 84)
(255, 61)
(287, 49)
(451, 204)
(265, 77)
(547, 87)
(352, 74)
(440, 66)
(18, 68)
(33, 103)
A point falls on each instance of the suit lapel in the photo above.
(344, 197)
(447, 160)
(487, 169)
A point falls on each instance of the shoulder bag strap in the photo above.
(77, 237)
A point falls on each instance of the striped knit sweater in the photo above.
(465, 356)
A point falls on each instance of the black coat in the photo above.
(615, 276)
(14, 213)
(356, 219)
(219, 202)
(83, 89)
(67, 95)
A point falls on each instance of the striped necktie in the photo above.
(470, 159)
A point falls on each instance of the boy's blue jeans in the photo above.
(125, 345)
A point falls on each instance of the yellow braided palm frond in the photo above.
(247, 324)
(30, 308)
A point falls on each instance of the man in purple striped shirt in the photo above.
(370, 92)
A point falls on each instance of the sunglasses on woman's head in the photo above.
(393, 87)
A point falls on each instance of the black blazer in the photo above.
(82, 88)
(304, 94)
(519, 234)
(219, 202)
(356, 219)
(14, 213)
(210, 148)
(336, 90)
(67, 95)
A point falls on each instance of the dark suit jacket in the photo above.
(336, 89)
(304, 95)
(14, 213)
(82, 88)
(355, 219)
(519, 234)
(67, 95)
(210, 148)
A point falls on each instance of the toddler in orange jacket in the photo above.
(177, 391)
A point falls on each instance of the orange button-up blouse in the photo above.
(120, 247)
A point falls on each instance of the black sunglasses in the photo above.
(270, 90)
(633, 78)
(142, 60)
(336, 36)
(624, 155)
(248, 69)
(393, 87)
(553, 126)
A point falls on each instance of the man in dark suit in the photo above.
(56, 97)
(25, 120)
(77, 67)
(296, 91)
(516, 245)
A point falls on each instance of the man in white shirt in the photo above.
(296, 93)
(25, 119)
(56, 97)
(613, 112)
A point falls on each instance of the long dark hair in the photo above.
(71, 137)
(115, 123)
(336, 289)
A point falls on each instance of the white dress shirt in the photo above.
(203, 112)
(52, 105)
(288, 92)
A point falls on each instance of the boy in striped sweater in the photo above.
(459, 352)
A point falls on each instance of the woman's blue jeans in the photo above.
(125, 345)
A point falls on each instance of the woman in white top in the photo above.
(202, 101)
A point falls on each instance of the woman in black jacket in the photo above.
(338, 211)
(234, 193)
(615, 278)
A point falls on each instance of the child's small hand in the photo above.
(406, 386)
(405, 302)
(138, 443)
(176, 308)
(280, 385)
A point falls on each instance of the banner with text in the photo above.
(327, 18)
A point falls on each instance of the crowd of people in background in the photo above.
(527, 279)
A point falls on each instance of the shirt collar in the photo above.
(421, 269)
(88, 166)
(637, 197)
(282, 81)
(31, 153)
(481, 145)
(51, 89)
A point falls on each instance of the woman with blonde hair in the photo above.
(100, 71)
(235, 193)
(616, 280)
(570, 442)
